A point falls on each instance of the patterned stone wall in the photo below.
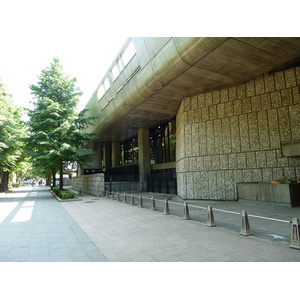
(234, 135)
(89, 184)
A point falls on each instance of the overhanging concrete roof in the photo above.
(171, 68)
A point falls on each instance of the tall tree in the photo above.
(12, 131)
(55, 126)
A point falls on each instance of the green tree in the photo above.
(55, 126)
(12, 130)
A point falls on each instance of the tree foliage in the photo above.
(55, 127)
(12, 130)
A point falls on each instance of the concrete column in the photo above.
(115, 147)
(107, 156)
(144, 157)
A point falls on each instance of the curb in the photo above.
(64, 200)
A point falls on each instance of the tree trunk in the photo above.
(61, 176)
(4, 182)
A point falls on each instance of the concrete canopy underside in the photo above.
(172, 68)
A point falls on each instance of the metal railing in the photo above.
(135, 199)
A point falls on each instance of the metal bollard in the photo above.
(295, 241)
(132, 200)
(124, 200)
(153, 207)
(186, 214)
(140, 202)
(210, 217)
(118, 196)
(166, 208)
(112, 195)
(107, 194)
(245, 227)
(103, 194)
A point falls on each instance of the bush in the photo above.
(63, 194)
(16, 185)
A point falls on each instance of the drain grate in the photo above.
(95, 199)
(89, 201)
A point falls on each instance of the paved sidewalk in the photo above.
(125, 232)
(35, 227)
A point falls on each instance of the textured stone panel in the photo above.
(229, 185)
(187, 103)
(194, 102)
(261, 159)
(229, 109)
(278, 173)
(200, 164)
(269, 83)
(224, 95)
(295, 121)
(290, 77)
(271, 159)
(241, 91)
(244, 133)
(259, 85)
(263, 130)
(201, 100)
(296, 95)
(195, 140)
(279, 80)
(287, 97)
(235, 134)
(191, 116)
(218, 136)
(220, 188)
(192, 164)
(208, 99)
(241, 160)
(256, 103)
(281, 161)
(251, 160)
(232, 163)
(290, 173)
(189, 185)
(202, 138)
(197, 185)
(207, 163)
(210, 137)
(221, 110)
(212, 112)
(237, 107)
(216, 97)
(253, 131)
(188, 140)
(205, 114)
(215, 162)
(265, 101)
(247, 176)
(257, 175)
(224, 162)
(284, 124)
(212, 185)
(276, 99)
(267, 175)
(250, 90)
(274, 129)
(205, 185)
(232, 93)
(246, 102)
(226, 135)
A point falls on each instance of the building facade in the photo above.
(195, 116)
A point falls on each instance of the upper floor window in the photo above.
(128, 53)
(103, 87)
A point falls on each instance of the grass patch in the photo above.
(63, 194)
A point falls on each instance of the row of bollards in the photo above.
(245, 226)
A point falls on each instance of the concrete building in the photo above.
(195, 116)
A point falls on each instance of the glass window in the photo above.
(163, 143)
(115, 71)
(128, 53)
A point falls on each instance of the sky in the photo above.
(87, 34)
